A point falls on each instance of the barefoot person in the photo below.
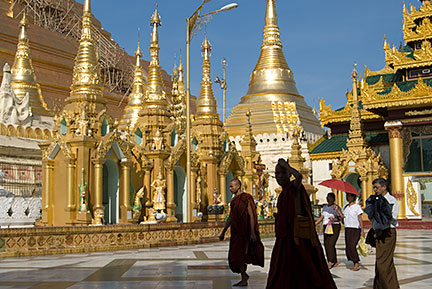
(297, 260)
(330, 214)
(352, 217)
(245, 244)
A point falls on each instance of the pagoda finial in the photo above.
(206, 105)
(86, 80)
(131, 111)
(272, 59)
(155, 93)
(23, 77)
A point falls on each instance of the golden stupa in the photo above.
(272, 97)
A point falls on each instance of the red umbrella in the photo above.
(339, 185)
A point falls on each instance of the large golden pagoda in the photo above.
(272, 90)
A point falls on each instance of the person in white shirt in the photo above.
(352, 217)
(385, 271)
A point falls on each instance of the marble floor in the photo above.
(199, 266)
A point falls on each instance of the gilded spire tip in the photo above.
(155, 19)
(23, 21)
(87, 6)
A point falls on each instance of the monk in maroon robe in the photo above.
(297, 260)
(245, 244)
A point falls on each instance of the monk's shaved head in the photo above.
(237, 181)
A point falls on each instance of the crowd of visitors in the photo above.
(298, 260)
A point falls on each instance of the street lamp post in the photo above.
(223, 84)
(190, 25)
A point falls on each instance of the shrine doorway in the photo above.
(110, 195)
(180, 197)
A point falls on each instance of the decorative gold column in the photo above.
(194, 197)
(71, 188)
(222, 185)
(170, 196)
(146, 184)
(125, 193)
(47, 192)
(394, 129)
(98, 185)
(364, 192)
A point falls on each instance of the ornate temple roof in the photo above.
(272, 90)
(406, 79)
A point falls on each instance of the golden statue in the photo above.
(98, 217)
(137, 204)
(217, 198)
(159, 186)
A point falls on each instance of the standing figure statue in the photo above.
(158, 186)
(217, 198)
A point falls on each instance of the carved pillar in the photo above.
(364, 192)
(125, 192)
(222, 185)
(394, 129)
(146, 184)
(71, 188)
(170, 196)
(194, 197)
(339, 198)
(212, 182)
(98, 185)
(47, 192)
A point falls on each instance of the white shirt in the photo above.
(351, 214)
(395, 208)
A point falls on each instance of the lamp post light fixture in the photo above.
(191, 23)
(223, 84)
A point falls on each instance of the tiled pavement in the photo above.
(199, 266)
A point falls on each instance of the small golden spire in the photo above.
(178, 107)
(181, 84)
(356, 139)
(86, 82)
(134, 106)
(206, 105)
(155, 92)
(248, 139)
(23, 77)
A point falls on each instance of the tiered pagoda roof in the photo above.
(401, 90)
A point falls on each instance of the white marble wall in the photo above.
(19, 211)
(321, 171)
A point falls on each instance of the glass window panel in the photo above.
(427, 154)
(414, 159)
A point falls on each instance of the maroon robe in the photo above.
(241, 250)
(297, 260)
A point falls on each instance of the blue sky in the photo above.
(321, 39)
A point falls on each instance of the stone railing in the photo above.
(64, 240)
(19, 212)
